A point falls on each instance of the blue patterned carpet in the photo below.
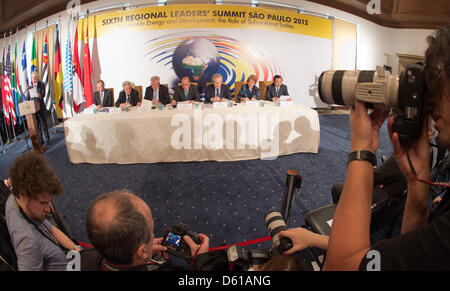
(226, 201)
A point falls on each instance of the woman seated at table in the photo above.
(249, 91)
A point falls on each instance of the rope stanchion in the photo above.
(242, 244)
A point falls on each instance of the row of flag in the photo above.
(71, 82)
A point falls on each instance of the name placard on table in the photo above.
(286, 104)
(220, 105)
(252, 103)
(115, 111)
(184, 106)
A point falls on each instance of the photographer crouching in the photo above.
(120, 226)
(424, 243)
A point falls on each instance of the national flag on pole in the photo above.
(76, 71)
(3, 83)
(15, 88)
(58, 76)
(68, 83)
(48, 97)
(24, 68)
(33, 67)
(87, 70)
(7, 90)
(68, 66)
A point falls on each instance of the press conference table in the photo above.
(209, 134)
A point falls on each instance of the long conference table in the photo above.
(204, 133)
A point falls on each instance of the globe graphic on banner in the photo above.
(196, 58)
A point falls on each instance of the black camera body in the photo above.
(412, 102)
(406, 95)
(173, 241)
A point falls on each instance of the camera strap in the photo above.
(44, 230)
(415, 178)
(150, 266)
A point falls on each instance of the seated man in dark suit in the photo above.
(156, 93)
(41, 114)
(276, 90)
(186, 92)
(128, 97)
(217, 92)
(103, 97)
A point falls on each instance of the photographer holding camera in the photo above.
(120, 226)
(425, 240)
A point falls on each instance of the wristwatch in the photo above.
(362, 156)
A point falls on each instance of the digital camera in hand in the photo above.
(173, 241)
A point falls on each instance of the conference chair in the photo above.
(385, 210)
(112, 91)
(262, 89)
(139, 89)
(237, 88)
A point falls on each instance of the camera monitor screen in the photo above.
(173, 239)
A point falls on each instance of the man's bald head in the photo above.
(117, 224)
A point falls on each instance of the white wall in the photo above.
(373, 41)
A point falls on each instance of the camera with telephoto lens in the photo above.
(173, 241)
(275, 224)
(406, 95)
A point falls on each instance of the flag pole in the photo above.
(8, 141)
(69, 23)
(15, 139)
(18, 89)
(52, 109)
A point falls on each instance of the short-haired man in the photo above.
(217, 91)
(103, 97)
(120, 226)
(39, 246)
(156, 92)
(128, 97)
(276, 90)
(186, 92)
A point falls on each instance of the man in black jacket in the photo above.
(276, 90)
(186, 92)
(157, 93)
(41, 114)
(217, 92)
(128, 97)
(103, 97)
(120, 226)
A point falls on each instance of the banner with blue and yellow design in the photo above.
(200, 40)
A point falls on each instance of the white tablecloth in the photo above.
(174, 135)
